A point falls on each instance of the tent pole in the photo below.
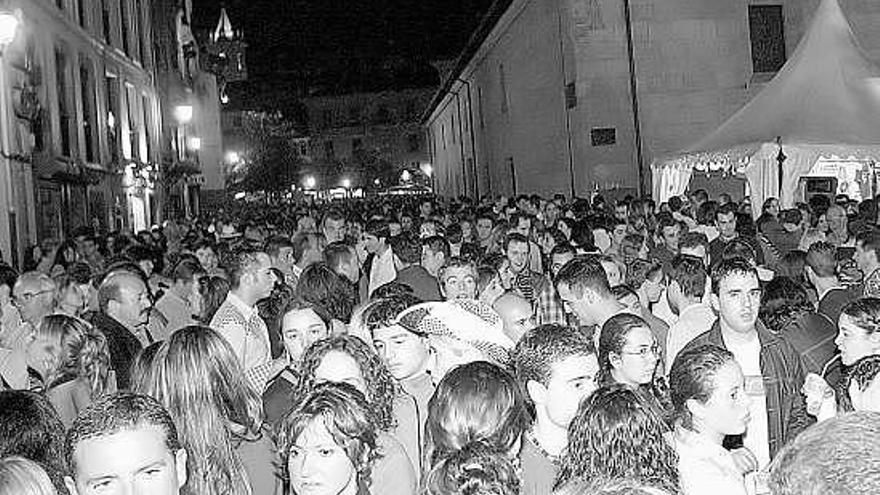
(633, 86)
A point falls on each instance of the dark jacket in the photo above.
(123, 345)
(784, 375)
(423, 284)
(833, 302)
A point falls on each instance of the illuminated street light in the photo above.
(309, 183)
(8, 27)
(377, 182)
(346, 183)
(183, 113)
(232, 157)
(195, 143)
(405, 176)
(427, 169)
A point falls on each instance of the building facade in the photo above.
(573, 96)
(82, 119)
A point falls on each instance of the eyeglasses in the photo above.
(29, 296)
(644, 352)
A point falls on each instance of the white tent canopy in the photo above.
(824, 102)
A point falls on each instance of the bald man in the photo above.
(124, 303)
(516, 314)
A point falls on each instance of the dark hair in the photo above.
(407, 247)
(385, 312)
(729, 267)
(302, 242)
(870, 241)
(540, 348)
(8, 276)
(437, 244)
(706, 213)
(213, 290)
(476, 469)
(839, 456)
(30, 428)
(584, 272)
(238, 262)
(783, 301)
(865, 313)
(186, 270)
(792, 266)
(693, 377)
(612, 339)
(275, 244)
(616, 434)
(113, 413)
(381, 387)
(336, 252)
(690, 275)
(377, 228)
(320, 285)
(515, 237)
(863, 372)
(694, 239)
(822, 259)
(478, 401)
(727, 209)
(344, 411)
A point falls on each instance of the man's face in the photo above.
(404, 352)
(559, 260)
(621, 212)
(394, 229)
(207, 258)
(300, 329)
(426, 209)
(726, 225)
(263, 278)
(459, 282)
(128, 462)
(671, 237)
(518, 256)
(431, 261)
(406, 223)
(132, 309)
(516, 315)
(738, 300)
(837, 220)
(571, 380)
(89, 247)
(371, 243)
(619, 232)
(284, 260)
(484, 228)
(524, 227)
(580, 306)
(334, 230)
(33, 301)
(865, 258)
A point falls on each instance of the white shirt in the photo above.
(382, 271)
(757, 438)
(705, 467)
(693, 321)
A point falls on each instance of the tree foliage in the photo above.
(271, 163)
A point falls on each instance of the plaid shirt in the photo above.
(248, 336)
(546, 305)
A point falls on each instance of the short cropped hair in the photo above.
(694, 239)
(186, 270)
(378, 229)
(337, 252)
(437, 244)
(407, 247)
(458, 262)
(839, 456)
(275, 244)
(584, 272)
(726, 209)
(515, 237)
(111, 414)
(822, 258)
(729, 267)
(238, 262)
(542, 347)
(8, 276)
(385, 312)
(688, 272)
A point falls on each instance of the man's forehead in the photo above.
(390, 332)
(739, 281)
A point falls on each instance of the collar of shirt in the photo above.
(247, 311)
(826, 291)
(697, 306)
(697, 443)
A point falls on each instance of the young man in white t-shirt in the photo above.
(773, 369)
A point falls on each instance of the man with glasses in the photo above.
(34, 297)
(774, 372)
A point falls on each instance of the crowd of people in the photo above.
(403, 346)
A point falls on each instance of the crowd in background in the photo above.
(412, 345)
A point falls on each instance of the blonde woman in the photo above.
(20, 476)
(73, 361)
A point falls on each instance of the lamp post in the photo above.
(9, 23)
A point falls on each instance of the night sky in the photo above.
(341, 45)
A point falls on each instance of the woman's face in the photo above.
(300, 328)
(318, 465)
(854, 342)
(822, 224)
(727, 410)
(637, 360)
(340, 367)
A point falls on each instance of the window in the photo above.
(124, 19)
(65, 114)
(329, 153)
(87, 93)
(60, 4)
(505, 105)
(605, 136)
(767, 35)
(142, 46)
(81, 13)
(148, 127)
(112, 116)
(105, 20)
(571, 98)
(133, 130)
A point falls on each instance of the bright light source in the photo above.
(346, 183)
(183, 113)
(427, 169)
(224, 99)
(309, 183)
(376, 182)
(8, 27)
(232, 157)
(111, 120)
(195, 143)
(405, 176)
(239, 195)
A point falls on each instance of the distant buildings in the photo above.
(546, 98)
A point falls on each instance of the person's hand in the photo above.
(745, 460)
(816, 392)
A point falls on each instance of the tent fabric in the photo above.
(825, 101)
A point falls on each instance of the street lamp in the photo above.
(8, 27)
(183, 113)
(346, 183)
(309, 183)
(232, 157)
(195, 143)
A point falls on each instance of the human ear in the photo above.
(537, 392)
(71, 485)
(180, 458)
(716, 305)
